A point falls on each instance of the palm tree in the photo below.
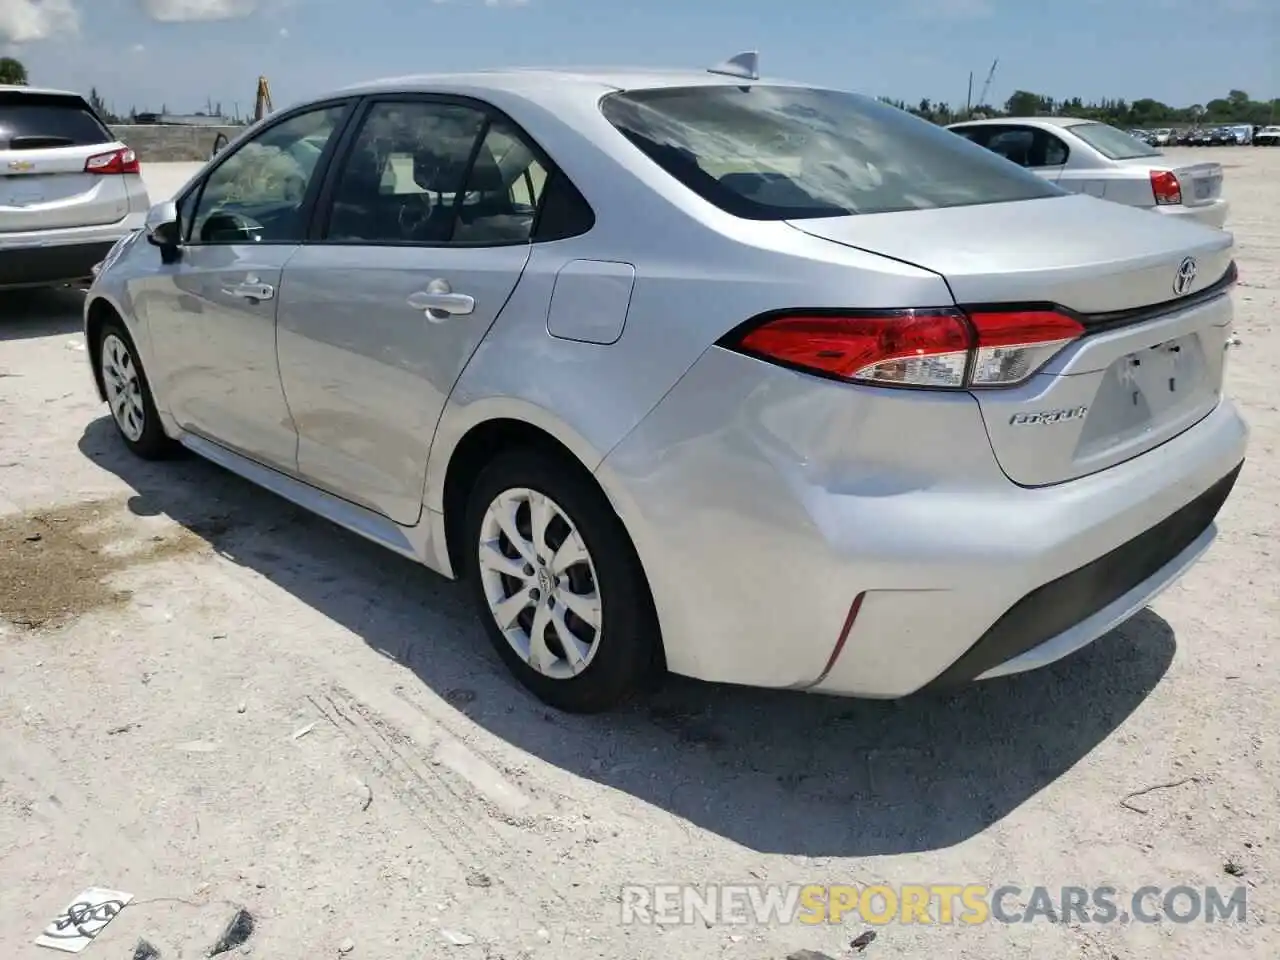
(12, 72)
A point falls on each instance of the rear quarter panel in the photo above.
(699, 274)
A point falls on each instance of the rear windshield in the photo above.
(1112, 143)
(781, 153)
(33, 121)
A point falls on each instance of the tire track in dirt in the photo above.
(435, 774)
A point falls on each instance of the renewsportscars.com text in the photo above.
(970, 904)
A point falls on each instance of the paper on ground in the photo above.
(83, 919)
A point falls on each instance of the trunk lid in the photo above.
(1151, 364)
(45, 139)
(48, 189)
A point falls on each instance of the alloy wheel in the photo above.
(123, 387)
(540, 583)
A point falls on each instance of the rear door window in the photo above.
(37, 121)
(405, 173)
(773, 152)
(1112, 143)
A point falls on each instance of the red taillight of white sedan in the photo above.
(1165, 187)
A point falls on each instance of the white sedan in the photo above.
(1085, 156)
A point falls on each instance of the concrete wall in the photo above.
(165, 144)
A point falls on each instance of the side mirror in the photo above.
(219, 142)
(162, 227)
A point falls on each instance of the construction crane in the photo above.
(986, 87)
(262, 100)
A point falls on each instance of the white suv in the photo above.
(68, 189)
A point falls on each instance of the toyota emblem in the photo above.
(1185, 278)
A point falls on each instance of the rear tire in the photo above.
(133, 409)
(547, 556)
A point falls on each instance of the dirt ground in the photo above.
(209, 699)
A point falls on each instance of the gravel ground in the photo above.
(209, 699)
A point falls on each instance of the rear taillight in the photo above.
(1014, 344)
(1165, 186)
(940, 348)
(123, 160)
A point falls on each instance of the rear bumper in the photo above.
(1062, 616)
(1213, 214)
(43, 258)
(44, 266)
(764, 503)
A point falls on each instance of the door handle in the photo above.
(438, 302)
(251, 289)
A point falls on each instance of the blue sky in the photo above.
(178, 52)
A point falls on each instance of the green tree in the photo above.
(12, 72)
(1023, 103)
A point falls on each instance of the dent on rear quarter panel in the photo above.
(694, 287)
(699, 273)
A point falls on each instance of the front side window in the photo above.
(773, 152)
(405, 173)
(1112, 143)
(256, 194)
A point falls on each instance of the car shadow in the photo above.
(774, 771)
(41, 312)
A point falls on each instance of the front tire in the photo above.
(133, 409)
(558, 584)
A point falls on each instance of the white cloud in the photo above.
(174, 11)
(22, 21)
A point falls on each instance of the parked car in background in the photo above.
(1162, 137)
(68, 189)
(1267, 137)
(1085, 156)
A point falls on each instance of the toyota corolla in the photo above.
(750, 381)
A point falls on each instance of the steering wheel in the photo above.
(415, 211)
(228, 226)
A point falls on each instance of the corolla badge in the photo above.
(1045, 417)
(1185, 278)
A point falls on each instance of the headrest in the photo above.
(440, 174)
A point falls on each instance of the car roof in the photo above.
(530, 82)
(45, 91)
(1061, 122)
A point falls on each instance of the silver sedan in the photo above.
(1085, 156)
(749, 381)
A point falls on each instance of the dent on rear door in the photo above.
(366, 373)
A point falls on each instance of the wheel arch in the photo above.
(97, 312)
(477, 447)
(474, 448)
